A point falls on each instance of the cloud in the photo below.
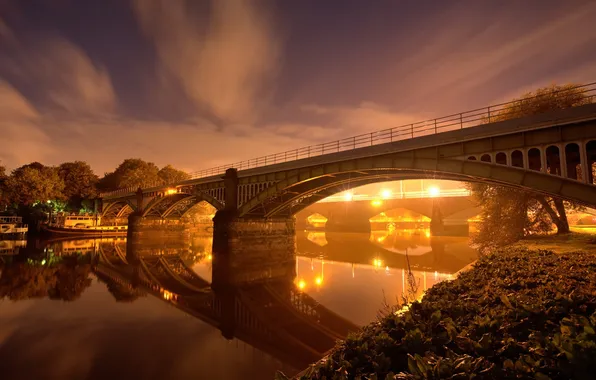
(477, 58)
(226, 65)
(366, 117)
(23, 140)
(64, 79)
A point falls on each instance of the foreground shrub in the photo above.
(516, 314)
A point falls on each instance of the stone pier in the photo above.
(251, 249)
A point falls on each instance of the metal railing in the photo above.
(517, 108)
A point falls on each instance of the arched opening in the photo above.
(553, 160)
(316, 221)
(485, 158)
(116, 215)
(400, 228)
(197, 217)
(573, 161)
(517, 159)
(501, 158)
(472, 158)
(591, 157)
(534, 160)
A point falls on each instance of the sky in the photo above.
(203, 83)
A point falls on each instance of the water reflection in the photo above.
(133, 302)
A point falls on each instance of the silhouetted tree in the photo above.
(509, 214)
(169, 174)
(79, 182)
(132, 172)
(33, 183)
(3, 195)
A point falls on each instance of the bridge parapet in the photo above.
(552, 153)
(462, 120)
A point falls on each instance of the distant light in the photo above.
(348, 196)
(49, 201)
(434, 191)
(376, 203)
(318, 280)
(427, 234)
(43, 262)
(378, 263)
(301, 284)
(209, 257)
(171, 191)
(386, 193)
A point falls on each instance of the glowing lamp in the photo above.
(386, 193)
(434, 191)
(301, 284)
(348, 196)
(376, 203)
(318, 280)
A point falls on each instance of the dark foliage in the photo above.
(65, 279)
(516, 315)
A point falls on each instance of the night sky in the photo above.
(202, 83)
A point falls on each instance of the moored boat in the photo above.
(12, 227)
(87, 225)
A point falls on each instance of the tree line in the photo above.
(71, 186)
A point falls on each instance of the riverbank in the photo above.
(518, 313)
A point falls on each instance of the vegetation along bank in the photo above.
(519, 313)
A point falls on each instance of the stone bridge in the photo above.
(354, 216)
(553, 153)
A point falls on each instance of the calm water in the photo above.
(89, 309)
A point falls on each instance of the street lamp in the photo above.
(434, 191)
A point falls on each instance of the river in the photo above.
(88, 309)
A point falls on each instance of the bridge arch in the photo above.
(118, 209)
(176, 205)
(309, 185)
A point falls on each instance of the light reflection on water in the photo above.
(109, 329)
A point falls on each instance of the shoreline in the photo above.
(560, 249)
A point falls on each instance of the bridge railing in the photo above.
(451, 122)
(575, 95)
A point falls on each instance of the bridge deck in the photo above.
(385, 145)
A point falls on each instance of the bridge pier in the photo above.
(437, 226)
(253, 249)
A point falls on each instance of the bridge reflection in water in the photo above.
(280, 314)
(271, 315)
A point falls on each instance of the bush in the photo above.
(516, 314)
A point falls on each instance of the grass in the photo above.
(517, 314)
(578, 240)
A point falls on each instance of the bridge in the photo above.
(355, 215)
(272, 316)
(552, 153)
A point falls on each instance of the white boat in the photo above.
(87, 224)
(11, 227)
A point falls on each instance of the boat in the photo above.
(81, 225)
(12, 227)
(11, 247)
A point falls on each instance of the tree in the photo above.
(507, 214)
(542, 100)
(170, 175)
(132, 172)
(79, 182)
(3, 194)
(34, 183)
